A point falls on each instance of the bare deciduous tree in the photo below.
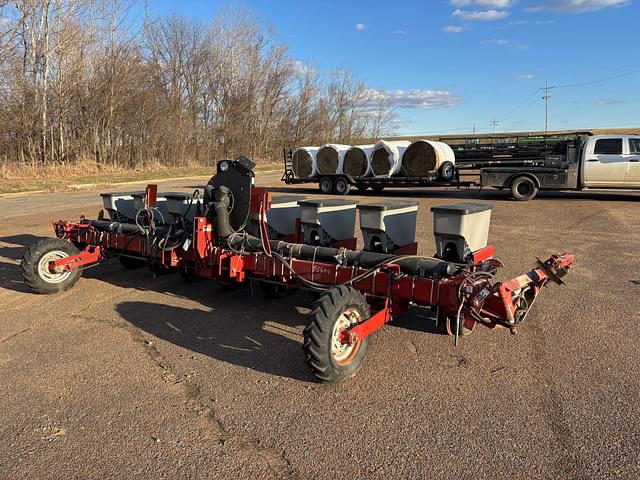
(82, 81)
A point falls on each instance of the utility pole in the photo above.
(474, 128)
(494, 123)
(546, 98)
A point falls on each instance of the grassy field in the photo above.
(70, 178)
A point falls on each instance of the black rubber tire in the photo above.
(523, 188)
(341, 186)
(318, 333)
(32, 257)
(446, 172)
(377, 189)
(131, 263)
(276, 290)
(325, 185)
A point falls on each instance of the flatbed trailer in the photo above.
(524, 166)
(342, 183)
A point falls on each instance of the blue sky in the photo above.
(448, 65)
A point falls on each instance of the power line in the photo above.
(622, 73)
(631, 70)
(521, 106)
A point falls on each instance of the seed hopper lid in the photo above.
(392, 205)
(327, 203)
(462, 208)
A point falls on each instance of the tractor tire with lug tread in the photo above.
(35, 266)
(341, 186)
(523, 189)
(325, 185)
(337, 309)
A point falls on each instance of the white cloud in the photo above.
(453, 29)
(606, 101)
(482, 3)
(360, 26)
(525, 76)
(480, 15)
(576, 6)
(503, 42)
(417, 98)
(301, 68)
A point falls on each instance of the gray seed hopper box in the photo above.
(327, 221)
(160, 214)
(388, 226)
(180, 205)
(120, 205)
(460, 229)
(280, 218)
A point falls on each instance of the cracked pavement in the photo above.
(127, 374)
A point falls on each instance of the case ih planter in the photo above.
(359, 290)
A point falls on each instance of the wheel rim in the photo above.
(343, 353)
(325, 186)
(447, 171)
(524, 188)
(340, 186)
(45, 273)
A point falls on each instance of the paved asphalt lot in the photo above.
(127, 374)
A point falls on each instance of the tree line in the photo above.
(104, 81)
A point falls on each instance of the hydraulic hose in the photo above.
(412, 265)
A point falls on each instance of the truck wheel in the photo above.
(336, 310)
(35, 266)
(523, 189)
(446, 171)
(326, 185)
(341, 186)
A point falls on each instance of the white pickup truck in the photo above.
(594, 161)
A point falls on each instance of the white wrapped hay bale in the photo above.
(386, 159)
(303, 162)
(330, 158)
(424, 157)
(357, 161)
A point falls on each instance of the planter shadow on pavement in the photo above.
(12, 249)
(241, 327)
(234, 329)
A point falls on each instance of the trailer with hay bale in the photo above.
(370, 168)
(523, 165)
